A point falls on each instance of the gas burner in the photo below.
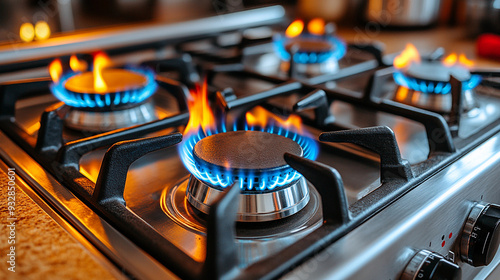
(272, 236)
(425, 84)
(250, 158)
(101, 121)
(125, 87)
(105, 99)
(254, 161)
(312, 53)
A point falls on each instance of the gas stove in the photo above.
(266, 152)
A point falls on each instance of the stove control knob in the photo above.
(426, 265)
(481, 235)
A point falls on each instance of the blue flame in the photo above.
(92, 100)
(246, 179)
(338, 51)
(433, 87)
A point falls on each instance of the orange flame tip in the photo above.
(201, 115)
(450, 60)
(463, 60)
(76, 64)
(295, 28)
(259, 116)
(101, 61)
(454, 59)
(316, 26)
(407, 57)
(55, 70)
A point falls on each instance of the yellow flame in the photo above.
(201, 115)
(55, 70)
(101, 61)
(27, 32)
(450, 60)
(454, 59)
(402, 94)
(407, 57)
(295, 28)
(259, 116)
(76, 64)
(42, 30)
(463, 60)
(316, 26)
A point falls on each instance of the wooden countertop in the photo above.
(44, 250)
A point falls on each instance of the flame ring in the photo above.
(339, 50)
(112, 99)
(433, 87)
(220, 178)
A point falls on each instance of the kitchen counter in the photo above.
(44, 250)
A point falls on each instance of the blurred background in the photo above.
(19, 18)
(455, 25)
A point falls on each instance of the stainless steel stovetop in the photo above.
(390, 181)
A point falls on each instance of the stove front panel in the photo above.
(429, 217)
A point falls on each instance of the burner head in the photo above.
(312, 54)
(310, 46)
(253, 160)
(433, 78)
(248, 152)
(125, 88)
(102, 121)
(426, 85)
(125, 103)
(117, 80)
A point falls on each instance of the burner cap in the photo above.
(311, 49)
(125, 88)
(437, 72)
(255, 151)
(117, 80)
(309, 45)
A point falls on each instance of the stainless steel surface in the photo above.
(108, 38)
(414, 265)
(312, 69)
(422, 219)
(104, 239)
(253, 243)
(481, 108)
(429, 217)
(253, 207)
(403, 12)
(96, 121)
(468, 229)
